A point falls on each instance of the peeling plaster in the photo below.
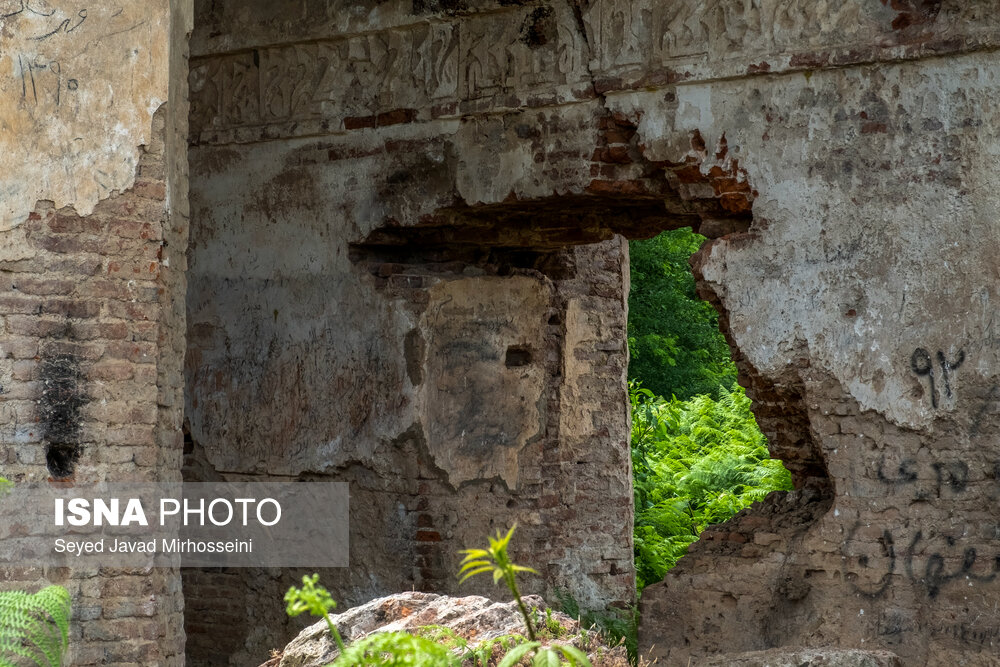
(82, 81)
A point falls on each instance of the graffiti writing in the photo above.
(950, 476)
(923, 366)
(43, 81)
(929, 562)
(65, 26)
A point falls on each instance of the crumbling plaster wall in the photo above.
(93, 229)
(867, 282)
(368, 178)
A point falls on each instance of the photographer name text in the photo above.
(166, 546)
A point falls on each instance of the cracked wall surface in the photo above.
(408, 272)
(869, 290)
(93, 229)
(80, 84)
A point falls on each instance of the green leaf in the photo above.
(574, 655)
(311, 597)
(546, 658)
(473, 573)
(515, 654)
(35, 626)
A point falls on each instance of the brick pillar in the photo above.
(92, 291)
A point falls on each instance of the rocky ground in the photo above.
(476, 620)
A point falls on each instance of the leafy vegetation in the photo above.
(695, 463)
(438, 646)
(674, 341)
(698, 456)
(494, 560)
(396, 649)
(316, 600)
(34, 625)
(616, 626)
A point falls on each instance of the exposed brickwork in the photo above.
(409, 521)
(90, 386)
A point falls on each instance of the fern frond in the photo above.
(702, 461)
(35, 626)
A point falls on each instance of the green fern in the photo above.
(695, 463)
(34, 626)
(495, 561)
(396, 649)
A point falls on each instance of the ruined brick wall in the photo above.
(407, 272)
(92, 241)
(860, 306)
(488, 370)
(372, 301)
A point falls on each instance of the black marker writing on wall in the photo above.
(954, 475)
(947, 367)
(922, 364)
(66, 26)
(931, 575)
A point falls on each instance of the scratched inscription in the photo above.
(79, 82)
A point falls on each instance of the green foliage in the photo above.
(442, 635)
(35, 626)
(695, 463)
(495, 560)
(431, 646)
(552, 626)
(673, 336)
(555, 655)
(439, 646)
(316, 600)
(396, 649)
(616, 626)
(483, 653)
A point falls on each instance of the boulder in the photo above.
(788, 657)
(476, 619)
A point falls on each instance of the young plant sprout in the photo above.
(495, 560)
(314, 599)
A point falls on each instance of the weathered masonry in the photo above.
(384, 243)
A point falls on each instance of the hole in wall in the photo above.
(61, 459)
(699, 455)
(517, 356)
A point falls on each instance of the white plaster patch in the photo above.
(79, 84)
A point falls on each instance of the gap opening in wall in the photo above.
(698, 456)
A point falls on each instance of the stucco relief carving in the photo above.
(410, 67)
(646, 32)
(480, 409)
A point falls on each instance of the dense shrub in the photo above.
(695, 463)
(674, 342)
